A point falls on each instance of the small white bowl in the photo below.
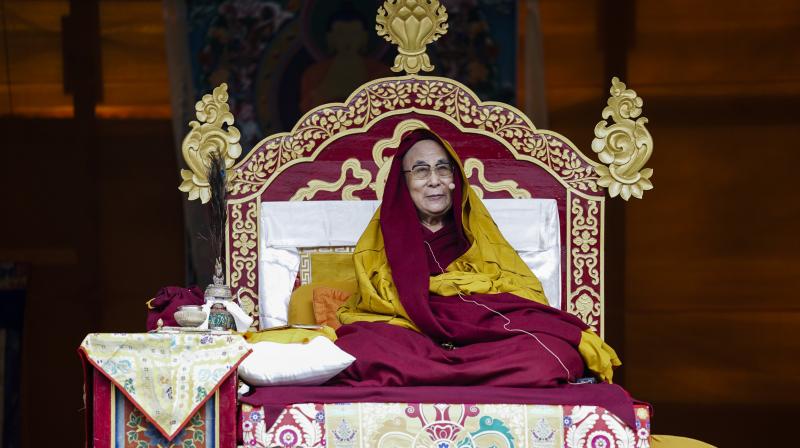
(190, 315)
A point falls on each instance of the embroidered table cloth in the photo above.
(167, 376)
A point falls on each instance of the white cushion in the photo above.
(315, 223)
(531, 226)
(311, 364)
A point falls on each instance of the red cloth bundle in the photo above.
(167, 301)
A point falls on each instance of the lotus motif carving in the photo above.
(411, 25)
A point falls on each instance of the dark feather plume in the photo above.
(218, 211)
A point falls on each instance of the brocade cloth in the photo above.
(166, 376)
(609, 396)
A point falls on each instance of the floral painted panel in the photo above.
(132, 430)
(298, 425)
(412, 425)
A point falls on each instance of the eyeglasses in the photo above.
(423, 172)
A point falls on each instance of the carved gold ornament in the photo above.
(624, 146)
(209, 136)
(507, 185)
(437, 96)
(316, 185)
(384, 162)
(242, 261)
(586, 305)
(411, 25)
(584, 231)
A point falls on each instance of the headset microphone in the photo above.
(451, 186)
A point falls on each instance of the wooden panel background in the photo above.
(711, 254)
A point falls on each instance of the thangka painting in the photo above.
(282, 58)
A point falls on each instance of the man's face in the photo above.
(431, 195)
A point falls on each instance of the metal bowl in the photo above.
(190, 315)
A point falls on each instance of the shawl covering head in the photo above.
(394, 282)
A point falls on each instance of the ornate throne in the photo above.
(341, 152)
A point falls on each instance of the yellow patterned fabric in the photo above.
(290, 335)
(489, 266)
(661, 441)
(166, 376)
(332, 267)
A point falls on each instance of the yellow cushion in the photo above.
(301, 309)
(289, 335)
(333, 270)
(662, 441)
(332, 267)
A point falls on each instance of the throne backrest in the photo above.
(342, 151)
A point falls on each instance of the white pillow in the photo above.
(311, 364)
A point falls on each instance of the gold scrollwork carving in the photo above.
(584, 233)
(565, 161)
(385, 162)
(244, 245)
(442, 95)
(625, 146)
(585, 304)
(207, 136)
(504, 122)
(316, 185)
(411, 25)
(508, 185)
(380, 98)
(248, 300)
(244, 257)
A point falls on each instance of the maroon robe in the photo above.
(475, 349)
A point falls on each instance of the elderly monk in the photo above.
(444, 300)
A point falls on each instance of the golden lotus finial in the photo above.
(206, 137)
(625, 146)
(411, 25)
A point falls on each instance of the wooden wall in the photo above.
(80, 284)
(711, 254)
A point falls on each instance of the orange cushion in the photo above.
(326, 301)
(301, 305)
